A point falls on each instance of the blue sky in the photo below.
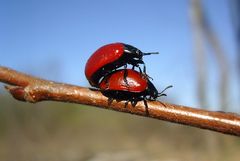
(54, 38)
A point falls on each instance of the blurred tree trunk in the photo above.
(235, 10)
(202, 34)
(200, 58)
(201, 26)
(223, 65)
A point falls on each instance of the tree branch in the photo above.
(31, 89)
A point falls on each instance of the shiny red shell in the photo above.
(103, 56)
(115, 81)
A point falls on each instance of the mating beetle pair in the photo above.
(102, 71)
(110, 57)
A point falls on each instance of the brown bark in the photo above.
(31, 89)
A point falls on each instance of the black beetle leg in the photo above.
(107, 83)
(94, 89)
(125, 77)
(149, 77)
(110, 100)
(133, 67)
(144, 68)
(145, 72)
(134, 102)
(146, 106)
(126, 103)
(140, 70)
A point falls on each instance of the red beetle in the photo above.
(132, 87)
(110, 57)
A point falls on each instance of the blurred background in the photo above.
(199, 45)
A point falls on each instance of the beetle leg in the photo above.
(149, 77)
(140, 70)
(144, 68)
(134, 102)
(125, 77)
(133, 67)
(126, 103)
(146, 106)
(144, 73)
(139, 62)
(107, 83)
(94, 89)
(110, 100)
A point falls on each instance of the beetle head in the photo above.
(133, 52)
(152, 92)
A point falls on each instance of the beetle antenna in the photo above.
(161, 93)
(150, 53)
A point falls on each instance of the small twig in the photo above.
(31, 89)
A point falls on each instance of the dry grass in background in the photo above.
(67, 132)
